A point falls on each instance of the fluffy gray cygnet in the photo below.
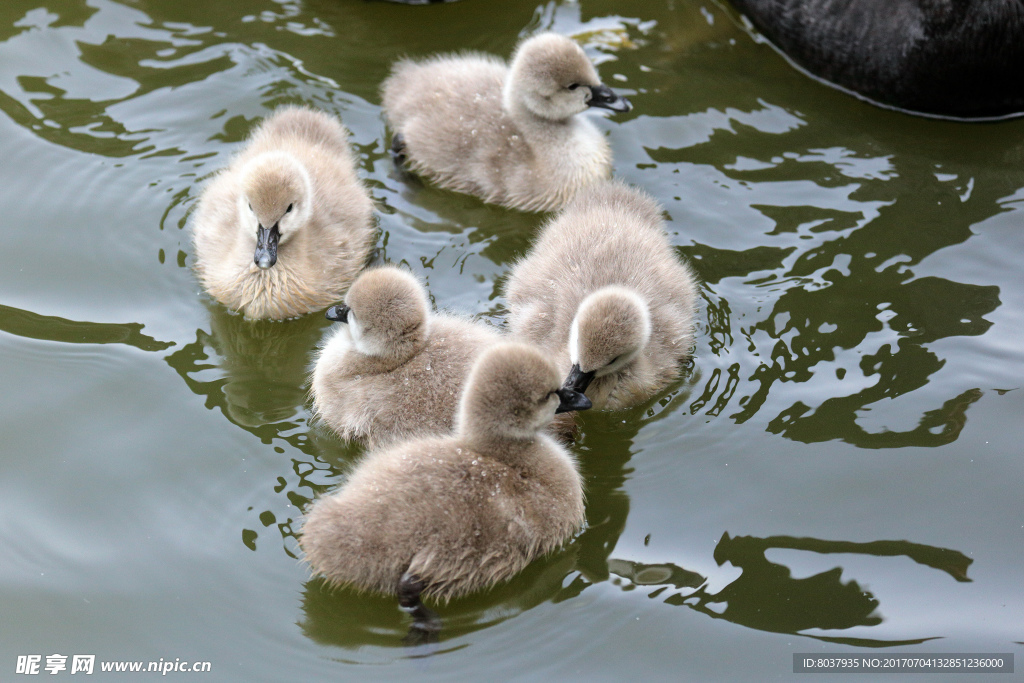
(286, 227)
(604, 291)
(393, 370)
(507, 134)
(445, 516)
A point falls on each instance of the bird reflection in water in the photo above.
(261, 366)
(767, 597)
(255, 373)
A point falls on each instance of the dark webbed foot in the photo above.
(397, 149)
(426, 625)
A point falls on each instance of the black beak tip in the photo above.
(570, 400)
(338, 314)
(604, 97)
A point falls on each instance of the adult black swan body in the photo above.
(958, 58)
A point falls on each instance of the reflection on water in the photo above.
(604, 470)
(265, 364)
(428, 210)
(256, 373)
(839, 319)
(51, 328)
(767, 597)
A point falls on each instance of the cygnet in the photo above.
(286, 227)
(507, 134)
(605, 292)
(393, 370)
(446, 516)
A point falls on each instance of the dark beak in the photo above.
(577, 379)
(604, 97)
(569, 400)
(266, 247)
(339, 313)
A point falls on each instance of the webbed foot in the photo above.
(426, 624)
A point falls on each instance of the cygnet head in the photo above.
(275, 203)
(554, 79)
(386, 314)
(513, 392)
(611, 328)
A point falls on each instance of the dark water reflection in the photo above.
(767, 597)
(256, 374)
(264, 365)
(52, 328)
(841, 278)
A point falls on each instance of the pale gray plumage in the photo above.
(297, 174)
(394, 370)
(507, 134)
(603, 289)
(460, 512)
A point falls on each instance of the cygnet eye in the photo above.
(573, 86)
(250, 207)
(289, 209)
(614, 360)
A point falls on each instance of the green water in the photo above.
(839, 471)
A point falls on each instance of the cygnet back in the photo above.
(602, 276)
(509, 135)
(458, 513)
(285, 228)
(393, 370)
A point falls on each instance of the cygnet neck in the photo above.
(404, 352)
(517, 109)
(502, 446)
(397, 353)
